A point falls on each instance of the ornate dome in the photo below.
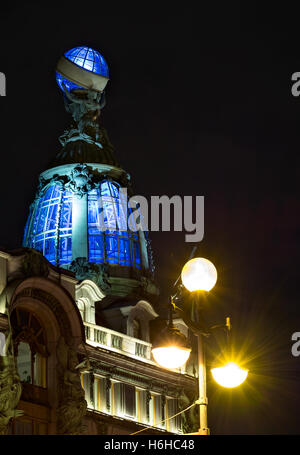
(80, 219)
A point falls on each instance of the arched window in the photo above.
(108, 236)
(30, 348)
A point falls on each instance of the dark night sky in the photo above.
(199, 103)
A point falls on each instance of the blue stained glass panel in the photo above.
(66, 211)
(137, 253)
(49, 252)
(51, 219)
(88, 59)
(124, 247)
(26, 229)
(96, 248)
(65, 250)
(121, 245)
(52, 227)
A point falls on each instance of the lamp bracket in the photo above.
(202, 401)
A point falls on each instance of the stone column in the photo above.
(79, 227)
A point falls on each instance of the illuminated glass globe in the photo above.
(230, 375)
(82, 68)
(171, 356)
(171, 348)
(199, 274)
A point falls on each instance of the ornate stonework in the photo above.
(53, 303)
(10, 386)
(87, 270)
(80, 180)
(72, 404)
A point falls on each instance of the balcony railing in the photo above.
(118, 342)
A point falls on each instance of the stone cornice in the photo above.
(118, 365)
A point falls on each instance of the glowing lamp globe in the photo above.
(199, 274)
(171, 348)
(230, 375)
(171, 356)
(82, 68)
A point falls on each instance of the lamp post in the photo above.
(172, 348)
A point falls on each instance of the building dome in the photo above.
(80, 219)
(86, 60)
(61, 222)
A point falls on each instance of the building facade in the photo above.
(78, 302)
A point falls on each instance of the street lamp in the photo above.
(171, 349)
(199, 276)
(230, 375)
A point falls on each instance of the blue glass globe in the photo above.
(85, 58)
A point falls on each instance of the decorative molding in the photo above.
(98, 273)
(81, 179)
(133, 378)
(72, 404)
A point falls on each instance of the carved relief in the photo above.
(190, 418)
(80, 181)
(72, 404)
(87, 270)
(10, 386)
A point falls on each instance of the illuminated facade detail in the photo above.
(132, 403)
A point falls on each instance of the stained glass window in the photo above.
(26, 227)
(54, 210)
(109, 237)
(65, 229)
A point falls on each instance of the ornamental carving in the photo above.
(190, 418)
(72, 404)
(80, 181)
(10, 386)
(34, 264)
(95, 272)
